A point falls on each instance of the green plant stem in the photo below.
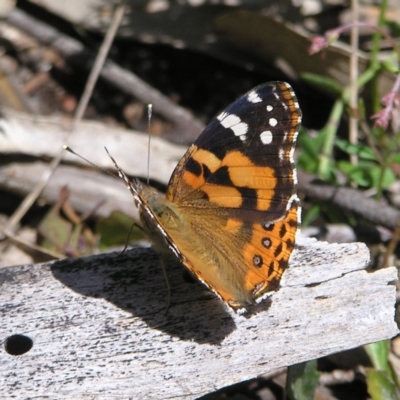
(330, 130)
(378, 352)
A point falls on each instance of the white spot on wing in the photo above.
(232, 121)
(253, 97)
(285, 136)
(266, 243)
(266, 137)
(273, 121)
(229, 120)
(281, 154)
(269, 108)
(222, 116)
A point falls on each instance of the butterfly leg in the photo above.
(167, 282)
(128, 236)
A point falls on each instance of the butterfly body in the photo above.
(231, 212)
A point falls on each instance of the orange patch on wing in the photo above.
(264, 199)
(193, 180)
(202, 157)
(260, 276)
(262, 179)
(275, 255)
(207, 158)
(224, 196)
(236, 159)
(254, 177)
(287, 94)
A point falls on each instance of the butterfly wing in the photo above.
(243, 160)
(235, 180)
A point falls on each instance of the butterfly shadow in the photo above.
(134, 282)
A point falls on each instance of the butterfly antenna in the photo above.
(67, 148)
(149, 115)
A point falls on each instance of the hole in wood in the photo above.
(18, 344)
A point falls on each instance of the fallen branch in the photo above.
(87, 189)
(99, 327)
(351, 200)
(187, 125)
(43, 136)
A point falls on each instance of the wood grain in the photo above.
(99, 329)
(44, 136)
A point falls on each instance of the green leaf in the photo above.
(356, 149)
(311, 215)
(114, 230)
(307, 163)
(311, 145)
(367, 174)
(390, 66)
(55, 231)
(394, 27)
(355, 173)
(378, 353)
(308, 159)
(310, 156)
(380, 387)
(376, 176)
(302, 380)
(395, 158)
(322, 82)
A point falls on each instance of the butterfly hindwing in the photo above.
(240, 261)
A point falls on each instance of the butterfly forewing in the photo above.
(243, 160)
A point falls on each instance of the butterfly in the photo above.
(231, 213)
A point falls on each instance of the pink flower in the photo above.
(390, 101)
(318, 43)
(391, 98)
(382, 118)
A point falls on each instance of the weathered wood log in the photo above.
(99, 327)
(90, 191)
(44, 136)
